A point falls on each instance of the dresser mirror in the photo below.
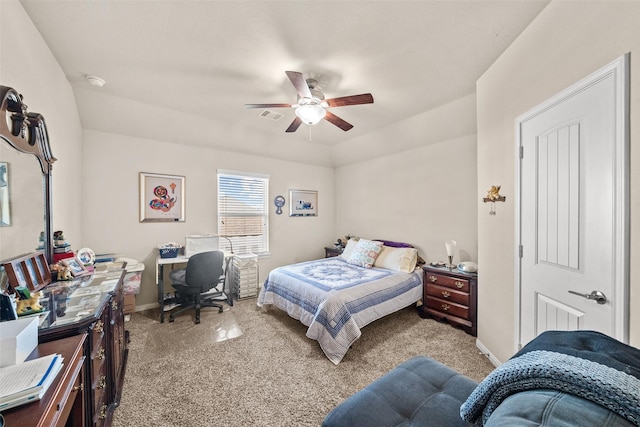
(25, 180)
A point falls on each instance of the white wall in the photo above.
(27, 65)
(110, 200)
(423, 196)
(566, 42)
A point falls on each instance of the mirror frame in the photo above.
(28, 134)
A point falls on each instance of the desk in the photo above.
(63, 403)
(181, 259)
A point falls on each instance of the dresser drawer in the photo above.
(448, 294)
(447, 281)
(448, 307)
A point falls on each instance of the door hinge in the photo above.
(521, 152)
(520, 251)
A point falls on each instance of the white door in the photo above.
(573, 213)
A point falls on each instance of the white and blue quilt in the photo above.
(336, 299)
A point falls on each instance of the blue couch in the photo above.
(579, 378)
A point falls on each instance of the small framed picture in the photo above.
(162, 198)
(303, 203)
(77, 269)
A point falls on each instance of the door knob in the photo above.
(598, 296)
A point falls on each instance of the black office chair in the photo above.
(204, 272)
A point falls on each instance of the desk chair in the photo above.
(204, 272)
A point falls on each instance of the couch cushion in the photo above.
(418, 392)
(550, 408)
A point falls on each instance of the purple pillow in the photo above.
(392, 244)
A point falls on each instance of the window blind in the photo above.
(243, 214)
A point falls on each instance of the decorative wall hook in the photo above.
(493, 195)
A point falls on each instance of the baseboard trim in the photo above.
(484, 350)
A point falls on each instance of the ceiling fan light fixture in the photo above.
(311, 114)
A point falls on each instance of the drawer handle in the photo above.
(459, 284)
(78, 387)
(445, 294)
(446, 307)
(103, 382)
(100, 355)
(99, 327)
(433, 279)
(103, 412)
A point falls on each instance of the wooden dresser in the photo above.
(92, 305)
(451, 295)
(63, 403)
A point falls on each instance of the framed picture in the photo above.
(161, 198)
(303, 203)
(76, 267)
(29, 270)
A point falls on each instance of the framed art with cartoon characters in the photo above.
(162, 198)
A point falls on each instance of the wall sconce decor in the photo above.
(493, 195)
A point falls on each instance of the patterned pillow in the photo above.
(365, 253)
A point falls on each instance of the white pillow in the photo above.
(399, 259)
(346, 253)
(365, 253)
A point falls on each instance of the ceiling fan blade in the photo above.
(299, 83)
(365, 98)
(295, 124)
(332, 118)
(267, 105)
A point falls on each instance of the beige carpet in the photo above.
(251, 366)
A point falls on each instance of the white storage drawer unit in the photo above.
(245, 276)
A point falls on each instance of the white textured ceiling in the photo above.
(181, 71)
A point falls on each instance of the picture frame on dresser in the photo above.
(30, 270)
(162, 197)
(76, 267)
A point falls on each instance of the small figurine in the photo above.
(62, 271)
(31, 304)
(494, 193)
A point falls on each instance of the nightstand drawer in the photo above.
(447, 281)
(448, 294)
(448, 307)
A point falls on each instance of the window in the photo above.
(243, 213)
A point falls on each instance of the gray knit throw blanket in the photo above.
(584, 363)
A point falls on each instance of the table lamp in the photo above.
(451, 247)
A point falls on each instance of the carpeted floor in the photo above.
(252, 366)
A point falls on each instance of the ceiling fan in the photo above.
(312, 107)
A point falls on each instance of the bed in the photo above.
(336, 297)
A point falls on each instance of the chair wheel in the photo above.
(171, 319)
(220, 310)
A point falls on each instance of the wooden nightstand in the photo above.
(451, 295)
(331, 251)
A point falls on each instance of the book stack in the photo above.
(61, 247)
(28, 381)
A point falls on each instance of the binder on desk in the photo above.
(28, 381)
